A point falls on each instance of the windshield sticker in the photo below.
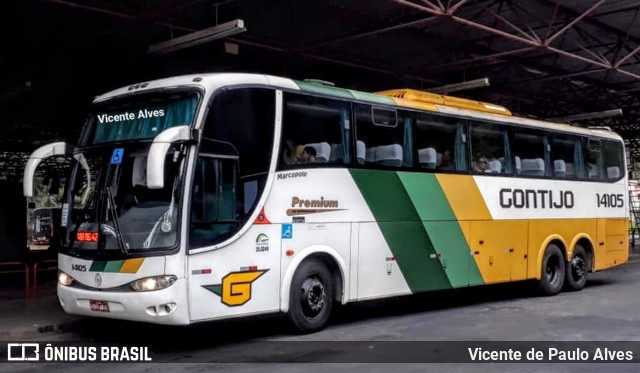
(65, 214)
(287, 231)
(116, 156)
(262, 218)
(235, 289)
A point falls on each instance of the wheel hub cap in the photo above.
(314, 294)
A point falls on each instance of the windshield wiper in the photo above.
(124, 247)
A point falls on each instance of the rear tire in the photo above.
(311, 296)
(577, 269)
(553, 271)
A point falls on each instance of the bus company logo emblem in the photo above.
(98, 280)
(262, 243)
(301, 206)
(235, 289)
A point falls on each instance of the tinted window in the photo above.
(613, 159)
(490, 148)
(244, 118)
(568, 157)
(441, 143)
(385, 136)
(531, 153)
(595, 165)
(139, 117)
(315, 132)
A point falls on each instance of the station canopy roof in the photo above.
(568, 60)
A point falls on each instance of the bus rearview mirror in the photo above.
(43, 152)
(158, 152)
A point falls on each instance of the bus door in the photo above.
(228, 275)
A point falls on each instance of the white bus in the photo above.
(206, 197)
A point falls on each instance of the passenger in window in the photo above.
(447, 161)
(308, 155)
(482, 165)
(293, 156)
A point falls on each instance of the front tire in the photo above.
(553, 271)
(311, 296)
(577, 269)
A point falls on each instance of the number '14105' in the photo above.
(610, 200)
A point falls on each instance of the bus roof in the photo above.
(403, 98)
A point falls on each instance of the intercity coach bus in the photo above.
(206, 197)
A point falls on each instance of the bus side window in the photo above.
(595, 163)
(612, 152)
(441, 143)
(568, 160)
(213, 204)
(491, 149)
(386, 136)
(316, 132)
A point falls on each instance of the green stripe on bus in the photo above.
(442, 227)
(401, 227)
(324, 89)
(456, 257)
(114, 266)
(379, 99)
(97, 266)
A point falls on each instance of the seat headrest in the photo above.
(336, 152)
(427, 155)
(361, 151)
(613, 172)
(532, 166)
(323, 151)
(139, 174)
(495, 166)
(388, 152)
(559, 165)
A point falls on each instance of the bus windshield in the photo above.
(109, 207)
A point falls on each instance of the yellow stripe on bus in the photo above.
(131, 265)
(464, 197)
(415, 104)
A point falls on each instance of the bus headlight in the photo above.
(64, 279)
(153, 283)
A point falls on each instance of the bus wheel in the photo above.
(577, 269)
(553, 268)
(310, 299)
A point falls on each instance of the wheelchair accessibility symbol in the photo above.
(116, 156)
(287, 230)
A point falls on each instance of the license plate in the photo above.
(99, 305)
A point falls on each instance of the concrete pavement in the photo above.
(40, 316)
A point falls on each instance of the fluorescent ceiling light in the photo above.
(585, 116)
(199, 37)
(478, 83)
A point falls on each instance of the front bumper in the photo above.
(167, 306)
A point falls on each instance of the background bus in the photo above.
(228, 195)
